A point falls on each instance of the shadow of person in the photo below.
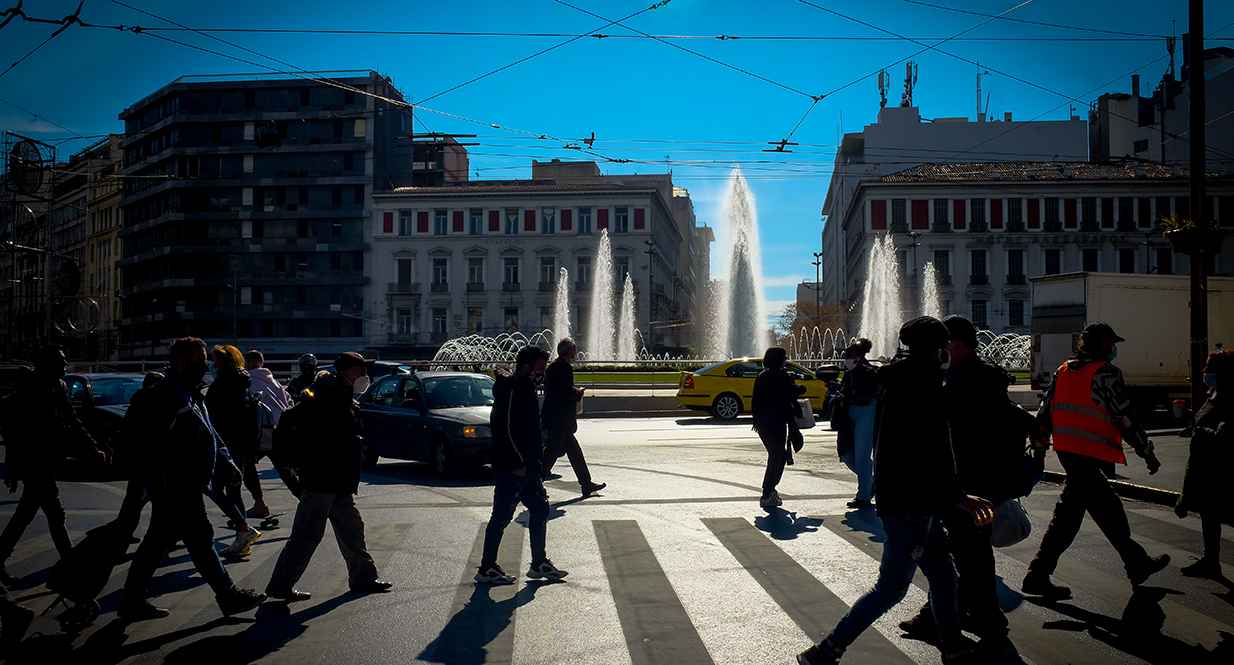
(783, 525)
(1008, 598)
(467, 635)
(424, 475)
(865, 520)
(708, 420)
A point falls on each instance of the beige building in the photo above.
(103, 248)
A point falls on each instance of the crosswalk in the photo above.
(712, 580)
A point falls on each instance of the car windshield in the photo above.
(450, 392)
(114, 391)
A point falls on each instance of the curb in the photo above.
(1128, 490)
(641, 413)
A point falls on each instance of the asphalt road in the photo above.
(673, 563)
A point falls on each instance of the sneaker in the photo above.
(493, 575)
(259, 509)
(823, 653)
(140, 610)
(592, 488)
(545, 569)
(287, 596)
(552, 476)
(772, 500)
(240, 546)
(1140, 574)
(14, 622)
(921, 627)
(1207, 567)
(859, 504)
(239, 600)
(1040, 585)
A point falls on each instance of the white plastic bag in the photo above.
(806, 419)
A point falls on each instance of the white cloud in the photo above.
(786, 280)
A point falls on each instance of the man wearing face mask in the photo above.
(1089, 414)
(329, 477)
(40, 429)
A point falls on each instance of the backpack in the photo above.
(290, 438)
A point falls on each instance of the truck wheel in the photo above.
(726, 407)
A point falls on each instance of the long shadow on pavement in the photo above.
(423, 475)
(465, 637)
(783, 525)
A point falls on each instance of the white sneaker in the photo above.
(772, 500)
(241, 543)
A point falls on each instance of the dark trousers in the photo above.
(775, 440)
(130, 508)
(977, 588)
(315, 510)
(1086, 489)
(180, 516)
(251, 480)
(39, 491)
(227, 498)
(508, 491)
(564, 442)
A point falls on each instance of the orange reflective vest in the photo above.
(1080, 426)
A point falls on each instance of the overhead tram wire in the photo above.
(1027, 21)
(36, 116)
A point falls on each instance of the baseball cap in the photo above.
(351, 359)
(1101, 331)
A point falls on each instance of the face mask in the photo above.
(944, 358)
(1113, 353)
(850, 363)
(194, 372)
(361, 384)
(1210, 380)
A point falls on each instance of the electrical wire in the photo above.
(1041, 23)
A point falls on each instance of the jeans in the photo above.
(174, 517)
(1086, 489)
(39, 491)
(309, 527)
(559, 442)
(912, 541)
(774, 438)
(862, 419)
(251, 480)
(977, 588)
(508, 491)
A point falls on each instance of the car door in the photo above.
(375, 412)
(413, 419)
(741, 377)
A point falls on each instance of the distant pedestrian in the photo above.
(301, 382)
(1088, 412)
(774, 405)
(916, 484)
(517, 456)
(560, 418)
(266, 388)
(127, 455)
(859, 399)
(1210, 459)
(988, 435)
(184, 456)
(233, 413)
(329, 471)
(40, 430)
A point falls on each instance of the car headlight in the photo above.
(477, 432)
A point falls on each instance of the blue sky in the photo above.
(644, 99)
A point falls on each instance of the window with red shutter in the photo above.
(494, 221)
(458, 221)
(921, 214)
(1069, 218)
(640, 219)
(878, 215)
(529, 220)
(387, 222)
(1034, 213)
(601, 218)
(959, 208)
(422, 221)
(996, 213)
(567, 219)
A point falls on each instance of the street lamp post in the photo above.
(818, 276)
(651, 252)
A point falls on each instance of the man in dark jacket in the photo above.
(560, 418)
(40, 429)
(774, 404)
(988, 435)
(308, 374)
(517, 456)
(916, 483)
(329, 471)
(179, 455)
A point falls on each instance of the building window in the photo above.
(899, 216)
(1052, 220)
(1163, 207)
(441, 271)
(1053, 261)
(1126, 261)
(548, 270)
(1015, 214)
(621, 220)
(1126, 213)
(476, 222)
(548, 220)
(511, 221)
(475, 271)
(1015, 313)
(979, 314)
(1139, 146)
(511, 270)
(440, 323)
(1088, 213)
(406, 222)
(403, 321)
(1165, 261)
(942, 266)
(1015, 266)
(584, 220)
(978, 260)
(511, 319)
(621, 268)
(546, 317)
(584, 270)
(405, 269)
(1089, 257)
(977, 214)
(475, 320)
(942, 219)
(1145, 205)
(440, 222)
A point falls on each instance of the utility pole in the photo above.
(1199, 281)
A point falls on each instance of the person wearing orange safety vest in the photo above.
(1089, 415)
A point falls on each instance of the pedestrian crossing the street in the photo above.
(707, 582)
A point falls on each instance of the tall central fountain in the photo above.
(740, 327)
(880, 302)
(601, 327)
(561, 306)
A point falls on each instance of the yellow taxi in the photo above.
(726, 389)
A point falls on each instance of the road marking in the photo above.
(657, 628)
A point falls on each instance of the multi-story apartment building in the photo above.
(485, 257)
(989, 227)
(101, 307)
(246, 209)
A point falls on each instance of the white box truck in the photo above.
(1151, 311)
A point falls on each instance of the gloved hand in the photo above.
(1151, 461)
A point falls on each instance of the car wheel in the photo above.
(368, 458)
(726, 407)
(443, 460)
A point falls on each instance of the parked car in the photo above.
(101, 400)
(436, 417)
(725, 389)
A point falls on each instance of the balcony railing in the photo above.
(401, 287)
(1089, 226)
(943, 280)
(978, 226)
(1017, 280)
(1053, 227)
(979, 280)
(899, 227)
(475, 287)
(548, 286)
(511, 286)
(942, 226)
(402, 338)
(440, 287)
(1015, 227)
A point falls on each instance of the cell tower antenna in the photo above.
(979, 75)
(910, 80)
(882, 89)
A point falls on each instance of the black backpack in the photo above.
(291, 435)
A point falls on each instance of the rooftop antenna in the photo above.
(910, 80)
(882, 89)
(979, 75)
(1169, 46)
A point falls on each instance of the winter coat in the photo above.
(272, 394)
(299, 384)
(40, 426)
(516, 424)
(774, 400)
(177, 451)
(988, 430)
(560, 398)
(914, 468)
(233, 412)
(331, 455)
